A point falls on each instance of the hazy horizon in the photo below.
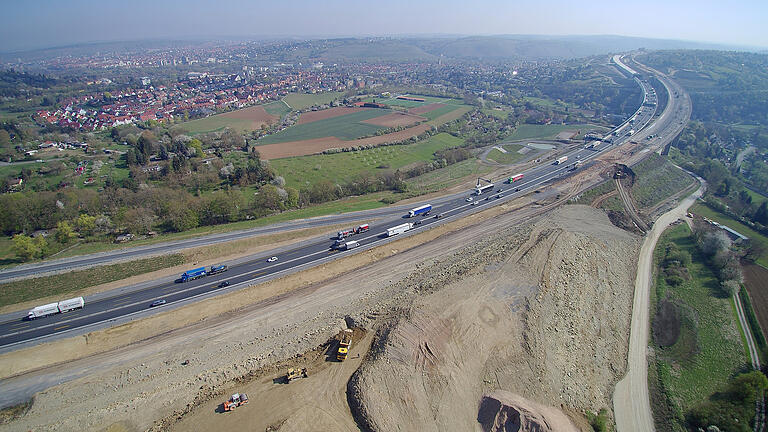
(46, 23)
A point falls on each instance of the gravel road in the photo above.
(631, 403)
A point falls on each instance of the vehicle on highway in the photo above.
(499, 196)
(217, 269)
(418, 222)
(273, 259)
(224, 284)
(157, 303)
(438, 216)
(192, 274)
(469, 199)
(517, 189)
(54, 308)
(421, 210)
(399, 229)
(474, 203)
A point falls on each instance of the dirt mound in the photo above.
(542, 311)
(502, 411)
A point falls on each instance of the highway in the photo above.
(16, 331)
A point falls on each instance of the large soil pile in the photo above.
(543, 313)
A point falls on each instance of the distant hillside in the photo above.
(492, 48)
(529, 47)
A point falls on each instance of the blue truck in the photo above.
(192, 274)
(422, 210)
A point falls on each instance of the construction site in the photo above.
(515, 316)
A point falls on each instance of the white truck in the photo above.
(349, 245)
(71, 304)
(399, 229)
(54, 308)
(43, 311)
(561, 160)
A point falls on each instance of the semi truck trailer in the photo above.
(399, 229)
(54, 308)
(192, 274)
(561, 160)
(421, 210)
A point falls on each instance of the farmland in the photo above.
(243, 120)
(345, 127)
(344, 167)
(277, 108)
(300, 101)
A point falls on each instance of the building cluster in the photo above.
(197, 95)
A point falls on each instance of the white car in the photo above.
(273, 259)
(469, 199)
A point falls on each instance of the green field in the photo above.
(708, 350)
(449, 176)
(495, 113)
(412, 104)
(439, 111)
(344, 167)
(656, 179)
(345, 127)
(216, 123)
(277, 108)
(300, 101)
(510, 157)
(530, 131)
(704, 210)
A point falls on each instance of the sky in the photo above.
(29, 24)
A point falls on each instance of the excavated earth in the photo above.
(500, 325)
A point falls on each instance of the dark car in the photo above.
(438, 216)
(224, 284)
(517, 189)
(157, 303)
(418, 222)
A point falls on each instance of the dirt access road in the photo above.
(631, 403)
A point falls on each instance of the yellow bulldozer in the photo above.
(295, 373)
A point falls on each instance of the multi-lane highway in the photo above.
(16, 331)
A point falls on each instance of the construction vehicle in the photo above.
(296, 373)
(487, 188)
(237, 399)
(345, 342)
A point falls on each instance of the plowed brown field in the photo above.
(313, 146)
(425, 108)
(313, 116)
(256, 114)
(395, 119)
(756, 283)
